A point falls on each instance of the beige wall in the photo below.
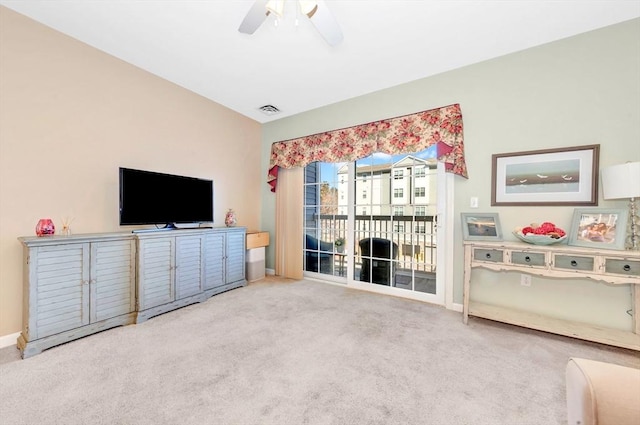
(70, 115)
(578, 91)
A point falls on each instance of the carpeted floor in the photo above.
(299, 352)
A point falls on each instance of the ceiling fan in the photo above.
(317, 12)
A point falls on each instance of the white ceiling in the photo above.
(196, 43)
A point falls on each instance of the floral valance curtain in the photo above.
(406, 134)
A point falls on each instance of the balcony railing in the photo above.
(415, 236)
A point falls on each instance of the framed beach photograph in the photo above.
(481, 227)
(599, 228)
(562, 176)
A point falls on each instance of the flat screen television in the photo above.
(148, 197)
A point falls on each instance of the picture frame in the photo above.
(603, 228)
(561, 176)
(481, 226)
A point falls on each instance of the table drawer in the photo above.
(257, 239)
(492, 255)
(624, 267)
(528, 258)
(573, 262)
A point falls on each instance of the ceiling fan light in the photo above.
(276, 7)
(307, 6)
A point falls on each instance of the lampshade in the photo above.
(621, 181)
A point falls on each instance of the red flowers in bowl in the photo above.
(546, 228)
(545, 234)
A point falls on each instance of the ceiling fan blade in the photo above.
(255, 17)
(326, 24)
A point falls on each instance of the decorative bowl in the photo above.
(539, 239)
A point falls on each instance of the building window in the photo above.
(398, 193)
(420, 191)
(420, 172)
(420, 228)
(398, 210)
(398, 174)
(364, 194)
(398, 227)
(422, 211)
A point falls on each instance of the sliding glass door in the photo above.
(395, 221)
(325, 226)
(373, 223)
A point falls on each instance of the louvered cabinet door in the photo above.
(189, 269)
(155, 272)
(214, 271)
(112, 281)
(58, 285)
(235, 252)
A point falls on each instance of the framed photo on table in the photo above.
(481, 227)
(562, 176)
(603, 228)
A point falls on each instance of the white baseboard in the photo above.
(270, 271)
(456, 307)
(9, 340)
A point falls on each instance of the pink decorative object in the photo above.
(45, 227)
(230, 218)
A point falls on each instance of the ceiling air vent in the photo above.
(269, 109)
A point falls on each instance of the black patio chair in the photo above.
(377, 255)
(314, 252)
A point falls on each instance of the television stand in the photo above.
(104, 280)
(159, 229)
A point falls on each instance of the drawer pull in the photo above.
(527, 259)
(626, 268)
(574, 263)
(488, 255)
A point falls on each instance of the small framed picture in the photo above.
(481, 227)
(599, 228)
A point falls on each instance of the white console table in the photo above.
(557, 262)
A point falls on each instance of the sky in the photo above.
(329, 170)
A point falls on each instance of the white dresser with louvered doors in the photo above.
(181, 267)
(78, 285)
(75, 286)
(224, 257)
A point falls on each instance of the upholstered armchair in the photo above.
(601, 393)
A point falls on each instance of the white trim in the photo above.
(456, 307)
(445, 255)
(9, 340)
(341, 280)
(351, 220)
(271, 272)
(393, 291)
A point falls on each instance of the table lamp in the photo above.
(622, 181)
